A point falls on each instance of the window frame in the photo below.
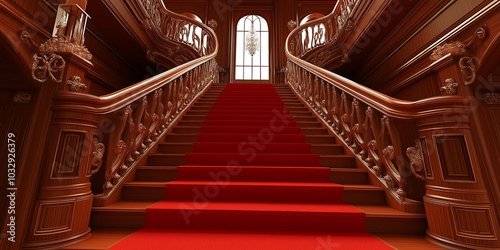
(267, 13)
(263, 64)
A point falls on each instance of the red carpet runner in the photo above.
(252, 183)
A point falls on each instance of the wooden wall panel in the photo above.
(454, 158)
(425, 152)
(55, 218)
(421, 89)
(197, 7)
(482, 227)
(12, 121)
(305, 8)
(375, 71)
(67, 157)
(494, 117)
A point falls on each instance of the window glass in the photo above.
(250, 67)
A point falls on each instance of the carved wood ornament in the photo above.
(492, 98)
(457, 48)
(140, 124)
(47, 67)
(416, 160)
(324, 33)
(212, 24)
(75, 83)
(291, 25)
(22, 97)
(467, 62)
(370, 134)
(97, 155)
(450, 87)
(47, 64)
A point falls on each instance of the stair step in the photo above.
(246, 112)
(314, 139)
(156, 191)
(243, 129)
(193, 123)
(349, 176)
(246, 98)
(241, 173)
(156, 173)
(256, 216)
(276, 192)
(247, 129)
(332, 161)
(254, 174)
(183, 147)
(288, 104)
(211, 107)
(241, 117)
(378, 219)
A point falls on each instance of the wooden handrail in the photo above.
(140, 114)
(365, 120)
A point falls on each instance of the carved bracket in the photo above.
(97, 155)
(416, 160)
(450, 87)
(468, 67)
(57, 45)
(457, 48)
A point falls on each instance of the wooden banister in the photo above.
(366, 121)
(140, 114)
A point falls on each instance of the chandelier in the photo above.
(252, 41)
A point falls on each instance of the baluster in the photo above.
(150, 123)
(169, 104)
(118, 147)
(159, 115)
(392, 157)
(175, 97)
(344, 118)
(138, 132)
(329, 105)
(180, 95)
(357, 128)
(335, 109)
(324, 93)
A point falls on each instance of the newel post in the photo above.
(71, 152)
(459, 211)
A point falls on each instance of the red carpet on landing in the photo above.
(252, 182)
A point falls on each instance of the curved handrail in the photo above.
(365, 120)
(140, 114)
(322, 31)
(178, 28)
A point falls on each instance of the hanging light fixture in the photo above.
(252, 41)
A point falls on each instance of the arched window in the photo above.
(250, 67)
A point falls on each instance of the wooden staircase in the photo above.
(149, 184)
